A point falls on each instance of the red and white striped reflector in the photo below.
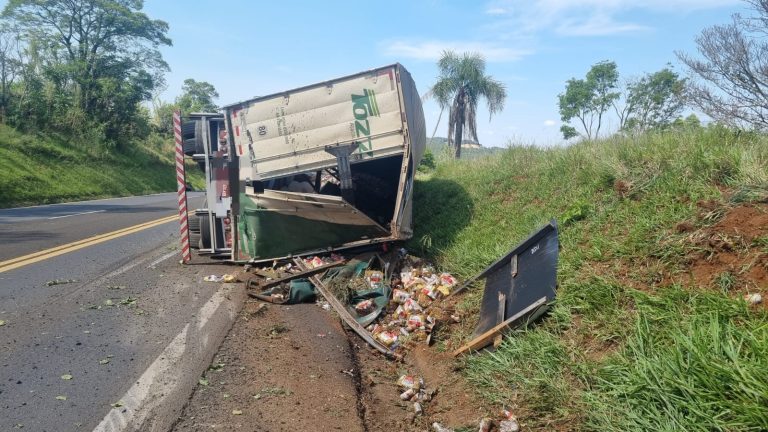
(181, 182)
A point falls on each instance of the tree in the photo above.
(460, 86)
(691, 122)
(103, 54)
(9, 68)
(588, 99)
(731, 79)
(653, 101)
(197, 96)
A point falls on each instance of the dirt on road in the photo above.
(289, 368)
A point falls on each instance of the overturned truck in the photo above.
(319, 168)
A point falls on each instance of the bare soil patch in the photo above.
(729, 255)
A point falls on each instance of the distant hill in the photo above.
(469, 148)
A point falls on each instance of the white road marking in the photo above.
(77, 214)
(173, 370)
(161, 259)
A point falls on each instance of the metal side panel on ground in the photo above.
(518, 287)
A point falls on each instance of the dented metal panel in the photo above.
(523, 276)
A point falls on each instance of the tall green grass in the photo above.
(618, 351)
(37, 169)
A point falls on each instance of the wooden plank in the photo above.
(500, 318)
(346, 316)
(485, 338)
(513, 265)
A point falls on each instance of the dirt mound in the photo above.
(732, 254)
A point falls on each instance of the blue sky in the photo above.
(248, 48)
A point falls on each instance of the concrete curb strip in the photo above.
(155, 401)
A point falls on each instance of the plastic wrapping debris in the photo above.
(437, 427)
(400, 296)
(510, 425)
(408, 394)
(417, 408)
(509, 422)
(388, 338)
(409, 382)
(416, 322)
(365, 307)
(486, 425)
(753, 299)
(374, 278)
(227, 278)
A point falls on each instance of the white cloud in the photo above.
(496, 11)
(598, 25)
(549, 123)
(586, 17)
(432, 49)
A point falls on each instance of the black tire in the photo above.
(194, 223)
(194, 240)
(190, 146)
(205, 232)
(188, 129)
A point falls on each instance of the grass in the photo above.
(620, 350)
(38, 169)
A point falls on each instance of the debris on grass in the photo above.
(117, 404)
(753, 299)
(437, 427)
(203, 382)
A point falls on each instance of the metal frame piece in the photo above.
(520, 284)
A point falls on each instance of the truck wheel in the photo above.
(193, 221)
(188, 129)
(194, 240)
(205, 232)
(189, 146)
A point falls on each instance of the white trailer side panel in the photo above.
(287, 133)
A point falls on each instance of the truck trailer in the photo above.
(316, 169)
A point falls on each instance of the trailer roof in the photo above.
(317, 84)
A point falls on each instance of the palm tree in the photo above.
(461, 84)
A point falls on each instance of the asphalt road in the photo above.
(127, 300)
